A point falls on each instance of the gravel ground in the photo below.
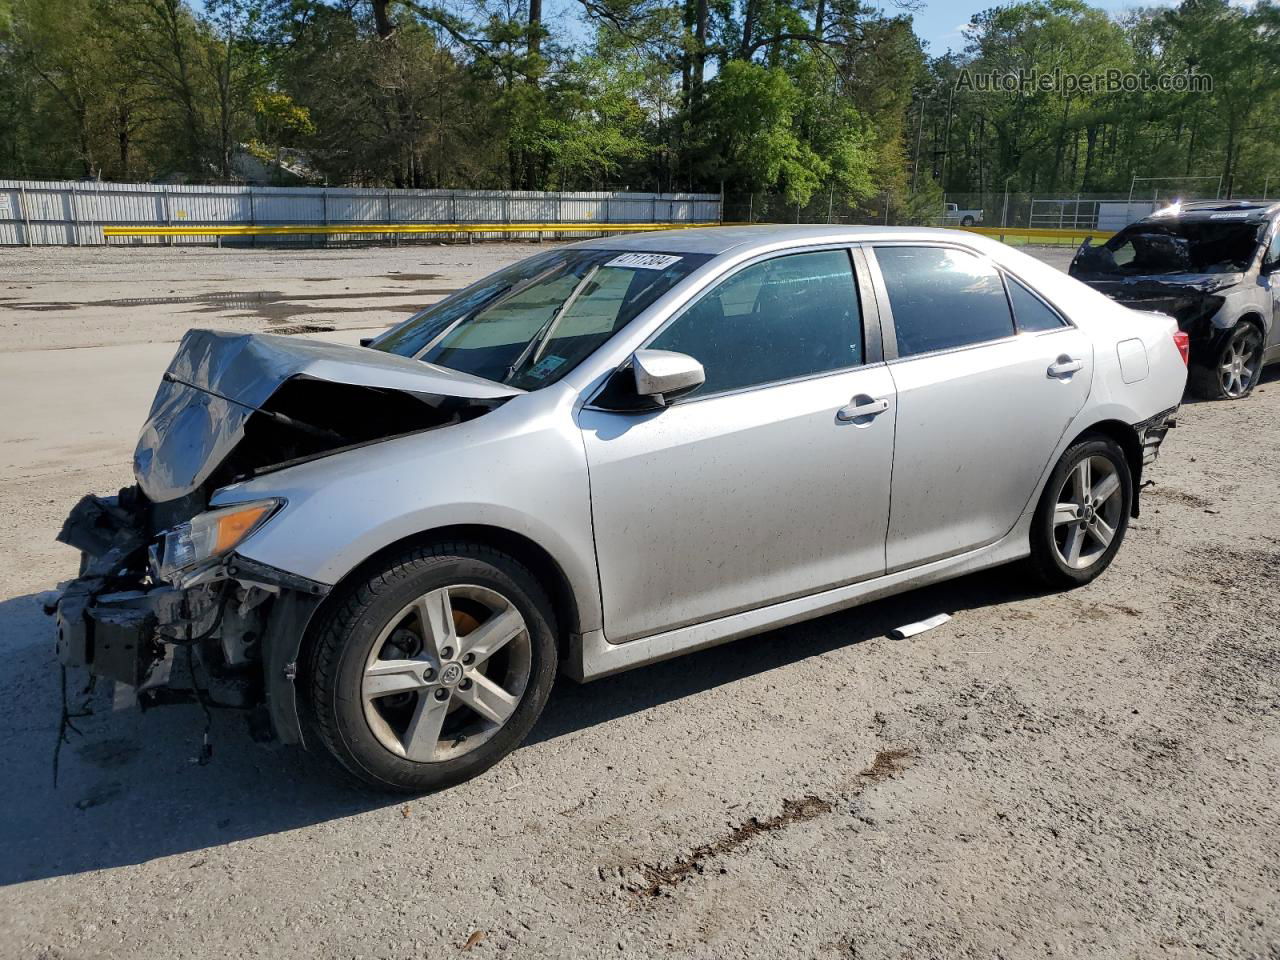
(1086, 774)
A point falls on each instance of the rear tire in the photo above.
(1236, 367)
(432, 666)
(967, 222)
(1083, 514)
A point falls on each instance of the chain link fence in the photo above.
(1070, 215)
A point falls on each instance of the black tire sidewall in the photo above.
(1048, 565)
(336, 692)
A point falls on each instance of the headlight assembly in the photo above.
(210, 535)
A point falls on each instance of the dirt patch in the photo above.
(231, 299)
(1173, 495)
(888, 763)
(657, 878)
(295, 328)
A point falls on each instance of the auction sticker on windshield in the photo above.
(644, 261)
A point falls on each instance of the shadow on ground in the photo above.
(130, 791)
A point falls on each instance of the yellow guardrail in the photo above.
(1051, 234)
(239, 230)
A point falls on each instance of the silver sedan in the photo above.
(608, 454)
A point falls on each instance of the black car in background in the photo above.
(1214, 265)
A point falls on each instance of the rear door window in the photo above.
(943, 298)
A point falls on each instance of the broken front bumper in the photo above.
(242, 621)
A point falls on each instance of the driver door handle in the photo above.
(1065, 366)
(854, 410)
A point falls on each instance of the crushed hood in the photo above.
(217, 382)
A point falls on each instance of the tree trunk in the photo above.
(535, 26)
(1229, 163)
(1091, 142)
(748, 28)
(700, 47)
(381, 21)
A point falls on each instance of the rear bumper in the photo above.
(1151, 433)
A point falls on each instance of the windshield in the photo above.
(532, 323)
(1153, 249)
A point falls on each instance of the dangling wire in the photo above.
(64, 723)
(206, 748)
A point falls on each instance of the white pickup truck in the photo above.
(952, 215)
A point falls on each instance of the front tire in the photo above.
(432, 667)
(1235, 369)
(1083, 514)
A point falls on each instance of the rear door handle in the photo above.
(861, 406)
(1065, 366)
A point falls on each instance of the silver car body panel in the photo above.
(686, 501)
(721, 516)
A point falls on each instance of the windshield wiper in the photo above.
(533, 349)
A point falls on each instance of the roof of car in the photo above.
(720, 240)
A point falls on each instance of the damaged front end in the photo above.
(160, 574)
(132, 611)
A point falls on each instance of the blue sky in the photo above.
(940, 23)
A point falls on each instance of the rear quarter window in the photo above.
(943, 298)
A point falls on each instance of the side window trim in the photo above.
(689, 304)
(884, 312)
(873, 336)
(891, 353)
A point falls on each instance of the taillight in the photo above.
(1182, 340)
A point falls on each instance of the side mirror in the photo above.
(663, 375)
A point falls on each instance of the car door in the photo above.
(770, 481)
(982, 403)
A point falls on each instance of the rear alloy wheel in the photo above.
(433, 667)
(1083, 514)
(1237, 368)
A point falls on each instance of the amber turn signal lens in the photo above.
(234, 527)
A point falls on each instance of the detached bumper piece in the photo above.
(242, 621)
(1152, 433)
(115, 634)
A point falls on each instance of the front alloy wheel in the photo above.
(1235, 371)
(1083, 514)
(446, 673)
(1241, 362)
(431, 667)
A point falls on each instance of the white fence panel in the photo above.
(73, 213)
